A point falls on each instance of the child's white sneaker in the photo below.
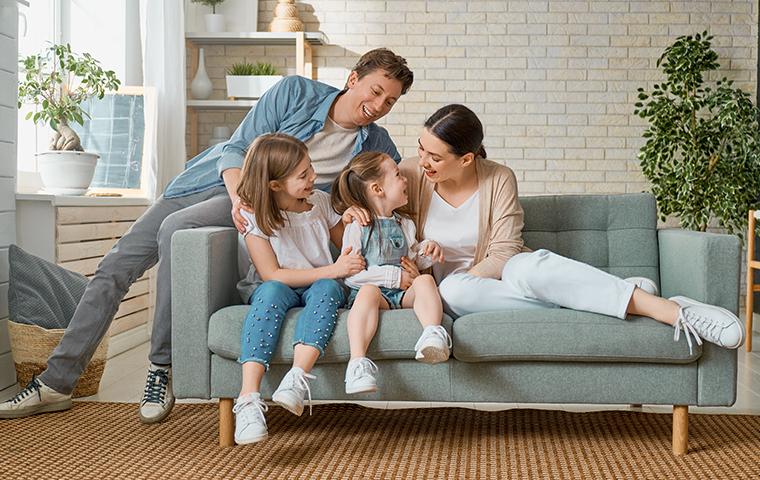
(714, 324)
(645, 284)
(250, 424)
(292, 390)
(360, 376)
(434, 345)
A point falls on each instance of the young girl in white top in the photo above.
(288, 238)
(372, 182)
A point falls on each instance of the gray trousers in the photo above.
(148, 242)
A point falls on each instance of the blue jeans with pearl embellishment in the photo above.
(269, 304)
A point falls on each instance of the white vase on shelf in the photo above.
(201, 87)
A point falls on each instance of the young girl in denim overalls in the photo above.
(288, 238)
(371, 183)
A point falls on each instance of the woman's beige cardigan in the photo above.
(500, 214)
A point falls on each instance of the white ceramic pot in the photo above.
(214, 22)
(250, 86)
(66, 172)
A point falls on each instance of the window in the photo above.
(117, 129)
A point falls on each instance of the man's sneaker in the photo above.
(434, 345)
(35, 398)
(714, 324)
(250, 424)
(158, 398)
(645, 284)
(293, 387)
(360, 376)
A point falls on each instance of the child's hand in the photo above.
(410, 267)
(348, 264)
(433, 251)
(406, 280)
(355, 213)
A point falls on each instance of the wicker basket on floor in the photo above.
(32, 345)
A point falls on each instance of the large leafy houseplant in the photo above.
(57, 81)
(702, 151)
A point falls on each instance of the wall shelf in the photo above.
(255, 38)
(221, 104)
(301, 41)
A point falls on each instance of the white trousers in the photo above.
(539, 279)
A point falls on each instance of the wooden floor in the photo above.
(124, 379)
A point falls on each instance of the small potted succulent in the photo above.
(57, 81)
(214, 21)
(246, 80)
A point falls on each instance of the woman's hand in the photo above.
(356, 213)
(433, 251)
(240, 223)
(348, 264)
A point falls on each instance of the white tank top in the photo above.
(456, 231)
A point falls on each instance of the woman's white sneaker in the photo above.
(360, 376)
(35, 398)
(292, 390)
(714, 324)
(434, 345)
(250, 424)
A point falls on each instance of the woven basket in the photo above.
(32, 345)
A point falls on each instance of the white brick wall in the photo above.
(554, 82)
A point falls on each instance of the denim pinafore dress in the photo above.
(384, 243)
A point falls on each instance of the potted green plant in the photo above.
(702, 151)
(214, 21)
(246, 80)
(57, 81)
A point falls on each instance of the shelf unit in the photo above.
(301, 41)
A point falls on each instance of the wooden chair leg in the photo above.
(680, 429)
(750, 303)
(226, 423)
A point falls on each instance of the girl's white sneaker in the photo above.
(250, 424)
(292, 390)
(434, 345)
(360, 376)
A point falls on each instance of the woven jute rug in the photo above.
(101, 440)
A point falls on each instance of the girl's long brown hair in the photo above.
(271, 157)
(350, 188)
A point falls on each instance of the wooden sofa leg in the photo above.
(680, 429)
(227, 423)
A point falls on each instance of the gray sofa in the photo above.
(525, 356)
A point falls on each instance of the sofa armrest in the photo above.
(204, 274)
(705, 267)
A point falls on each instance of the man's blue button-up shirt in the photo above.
(296, 106)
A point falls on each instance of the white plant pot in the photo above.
(214, 22)
(250, 86)
(66, 172)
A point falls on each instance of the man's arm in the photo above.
(231, 178)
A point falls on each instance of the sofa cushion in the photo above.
(566, 335)
(397, 333)
(615, 233)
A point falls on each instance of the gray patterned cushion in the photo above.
(41, 293)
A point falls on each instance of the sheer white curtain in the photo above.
(163, 53)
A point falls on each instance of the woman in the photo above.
(451, 182)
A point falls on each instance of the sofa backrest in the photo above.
(616, 233)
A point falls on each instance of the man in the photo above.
(334, 124)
